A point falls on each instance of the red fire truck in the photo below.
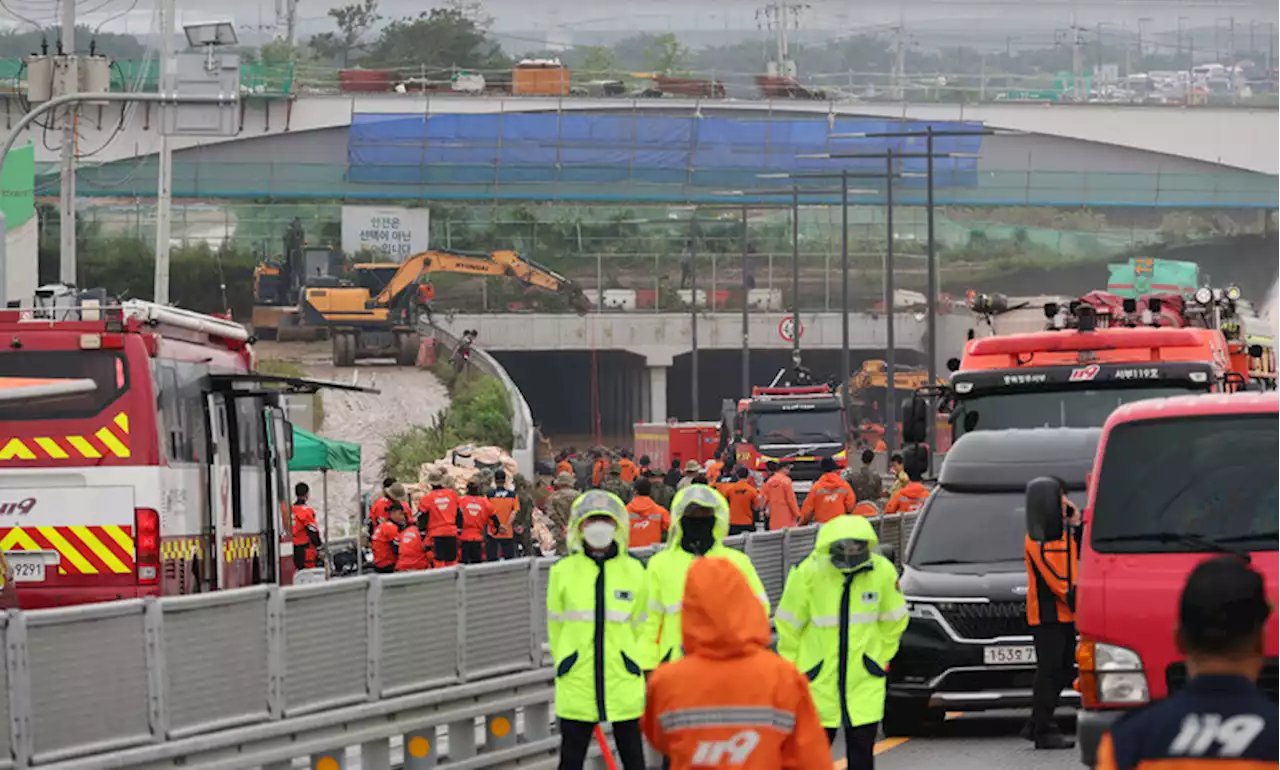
(801, 425)
(679, 441)
(140, 453)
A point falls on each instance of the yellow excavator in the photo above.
(868, 389)
(365, 321)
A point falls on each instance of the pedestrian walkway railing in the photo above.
(447, 666)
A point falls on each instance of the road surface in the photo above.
(973, 742)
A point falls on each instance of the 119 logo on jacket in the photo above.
(735, 750)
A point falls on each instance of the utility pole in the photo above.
(1077, 84)
(931, 328)
(844, 286)
(899, 65)
(70, 85)
(890, 400)
(164, 185)
(291, 21)
(795, 272)
(693, 318)
(746, 328)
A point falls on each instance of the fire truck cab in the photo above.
(798, 425)
(140, 453)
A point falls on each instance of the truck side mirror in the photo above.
(1044, 510)
(915, 425)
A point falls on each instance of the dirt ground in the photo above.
(409, 397)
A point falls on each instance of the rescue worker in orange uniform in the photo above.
(865, 506)
(629, 471)
(306, 534)
(730, 701)
(414, 551)
(830, 497)
(743, 499)
(649, 522)
(910, 497)
(600, 467)
(502, 532)
(438, 518)
(378, 511)
(780, 496)
(714, 469)
(474, 512)
(1052, 569)
(1220, 718)
(562, 464)
(386, 541)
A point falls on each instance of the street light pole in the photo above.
(844, 285)
(890, 405)
(693, 320)
(746, 342)
(931, 329)
(795, 271)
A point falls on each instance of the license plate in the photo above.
(1009, 656)
(26, 569)
(802, 486)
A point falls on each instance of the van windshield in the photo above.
(1168, 486)
(973, 528)
(801, 426)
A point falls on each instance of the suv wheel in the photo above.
(908, 718)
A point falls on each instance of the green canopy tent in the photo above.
(313, 453)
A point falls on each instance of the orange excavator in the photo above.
(367, 322)
(868, 391)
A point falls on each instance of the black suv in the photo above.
(967, 646)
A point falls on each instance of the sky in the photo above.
(522, 23)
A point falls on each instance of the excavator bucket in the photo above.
(577, 300)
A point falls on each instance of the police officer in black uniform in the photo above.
(1220, 719)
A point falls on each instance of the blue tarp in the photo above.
(696, 152)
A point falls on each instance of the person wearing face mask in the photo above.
(595, 605)
(840, 620)
(699, 525)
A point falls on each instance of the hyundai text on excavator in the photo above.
(1096, 353)
(365, 321)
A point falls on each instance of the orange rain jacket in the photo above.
(830, 497)
(780, 499)
(731, 702)
(909, 499)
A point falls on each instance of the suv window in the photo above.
(1165, 483)
(973, 528)
(109, 371)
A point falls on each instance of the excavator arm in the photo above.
(499, 264)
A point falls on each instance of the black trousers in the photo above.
(859, 745)
(472, 551)
(576, 737)
(738, 529)
(445, 548)
(1055, 668)
(499, 548)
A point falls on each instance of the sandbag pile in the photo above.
(463, 463)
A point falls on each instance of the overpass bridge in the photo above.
(639, 365)
(441, 147)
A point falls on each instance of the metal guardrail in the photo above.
(524, 446)
(261, 676)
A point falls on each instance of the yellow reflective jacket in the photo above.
(842, 628)
(668, 569)
(595, 612)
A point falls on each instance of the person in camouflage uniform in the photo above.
(559, 506)
(615, 484)
(866, 483)
(524, 516)
(660, 492)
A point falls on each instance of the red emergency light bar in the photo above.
(806, 390)
(1109, 339)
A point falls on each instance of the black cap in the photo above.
(301, 489)
(742, 471)
(772, 466)
(1223, 607)
(868, 457)
(828, 464)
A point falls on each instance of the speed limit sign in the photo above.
(787, 328)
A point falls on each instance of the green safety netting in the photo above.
(313, 453)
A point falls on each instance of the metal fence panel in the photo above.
(498, 623)
(88, 671)
(419, 631)
(736, 542)
(766, 550)
(542, 577)
(326, 635)
(799, 544)
(6, 746)
(215, 653)
(645, 554)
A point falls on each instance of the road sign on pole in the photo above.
(787, 329)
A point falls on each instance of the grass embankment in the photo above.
(479, 413)
(282, 368)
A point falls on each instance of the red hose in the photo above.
(604, 749)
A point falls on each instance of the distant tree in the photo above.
(441, 37)
(353, 22)
(666, 54)
(281, 51)
(598, 61)
(14, 44)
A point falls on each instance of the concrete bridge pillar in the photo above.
(656, 385)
